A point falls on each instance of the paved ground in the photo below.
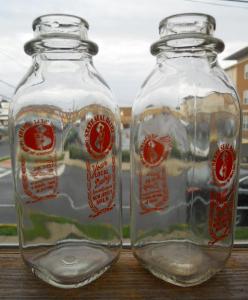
(7, 211)
(4, 148)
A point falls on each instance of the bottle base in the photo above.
(72, 265)
(181, 263)
(57, 284)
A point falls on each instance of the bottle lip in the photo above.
(67, 42)
(188, 42)
(193, 14)
(189, 32)
(60, 33)
(38, 19)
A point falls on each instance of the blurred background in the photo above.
(124, 31)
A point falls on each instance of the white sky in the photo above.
(123, 30)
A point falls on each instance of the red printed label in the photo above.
(101, 174)
(37, 137)
(38, 169)
(99, 136)
(152, 179)
(153, 191)
(154, 150)
(222, 199)
(220, 215)
(101, 186)
(223, 164)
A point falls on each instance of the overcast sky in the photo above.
(124, 31)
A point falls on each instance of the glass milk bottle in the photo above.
(65, 141)
(185, 154)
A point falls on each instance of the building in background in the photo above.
(6, 93)
(238, 72)
(125, 121)
(4, 111)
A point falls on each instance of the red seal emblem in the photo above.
(154, 150)
(39, 168)
(153, 180)
(37, 137)
(101, 173)
(99, 136)
(223, 164)
(223, 196)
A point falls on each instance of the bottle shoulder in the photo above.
(66, 91)
(169, 85)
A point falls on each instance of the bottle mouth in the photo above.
(187, 31)
(60, 32)
(186, 23)
(60, 23)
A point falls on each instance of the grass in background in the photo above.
(40, 227)
(125, 156)
(8, 229)
(241, 233)
(126, 232)
(4, 158)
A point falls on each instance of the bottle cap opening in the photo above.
(187, 23)
(191, 31)
(60, 32)
(60, 24)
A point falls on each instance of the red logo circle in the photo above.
(99, 136)
(223, 164)
(37, 137)
(154, 149)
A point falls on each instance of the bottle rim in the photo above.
(73, 44)
(38, 19)
(60, 33)
(202, 42)
(193, 14)
(187, 32)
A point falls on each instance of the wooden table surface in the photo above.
(125, 280)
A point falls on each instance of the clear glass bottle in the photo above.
(65, 141)
(184, 154)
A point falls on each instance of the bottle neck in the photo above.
(52, 64)
(193, 56)
(60, 33)
(188, 35)
(66, 56)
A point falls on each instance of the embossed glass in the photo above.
(65, 141)
(184, 155)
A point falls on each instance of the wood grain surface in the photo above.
(125, 280)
